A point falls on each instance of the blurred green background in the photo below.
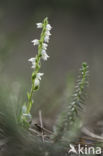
(77, 36)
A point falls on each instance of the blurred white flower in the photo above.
(38, 76)
(39, 25)
(33, 61)
(35, 42)
(47, 33)
(48, 27)
(44, 46)
(46, 39)
(44, 55)
(36, 82)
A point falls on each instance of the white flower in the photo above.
(37, 82)
(44, 46)
(48, 27)
(44, 55)
(33, 65)
(46, 39)
(39, 25)
(38, 76)
(47, 33)
(33, 61)
(35, 42)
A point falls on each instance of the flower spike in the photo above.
(42, 45)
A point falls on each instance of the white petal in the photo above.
(31, 59)
(39, 75)
(47, 33)
(33, 65)
(44, 55)
(37, 82)
(46, 39)
(35, 42)
(43, 51)
(45, 46)
(39, 25)
(48, 27)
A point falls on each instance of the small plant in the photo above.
(70, 117)
(25, 115)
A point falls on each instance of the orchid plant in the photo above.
(42, 44)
